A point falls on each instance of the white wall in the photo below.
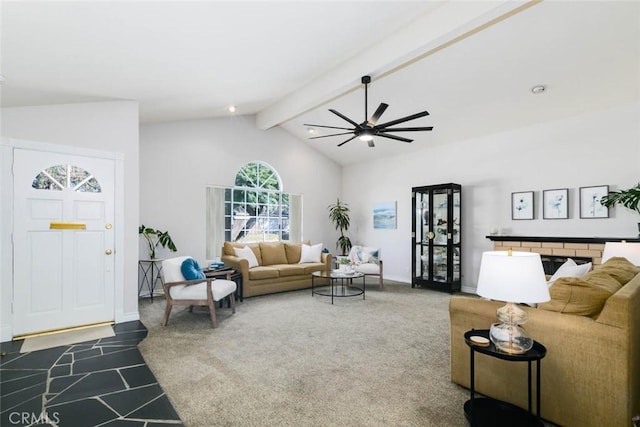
(105, 126)
(600, 148)
(179, 159)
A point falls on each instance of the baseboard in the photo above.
(469, 290)
(127, 317)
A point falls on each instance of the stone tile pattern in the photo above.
(104, 382)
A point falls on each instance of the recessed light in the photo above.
(311, 130)
(231, 108)
(538, 89)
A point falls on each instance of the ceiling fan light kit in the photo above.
(367, 130)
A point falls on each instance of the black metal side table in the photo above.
(495, 413)
(149, 272)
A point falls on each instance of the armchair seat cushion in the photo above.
(219, 288)
(368, 268)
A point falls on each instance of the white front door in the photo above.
(63, 240)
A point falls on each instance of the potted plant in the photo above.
(156, 237)
(629, 198)
(339, 215)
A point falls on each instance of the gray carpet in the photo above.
(291, 359)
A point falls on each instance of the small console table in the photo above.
(495, 413)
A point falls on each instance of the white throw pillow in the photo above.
(247, 254)
(570, 269)
(311, 253)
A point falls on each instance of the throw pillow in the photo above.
(369, 254)
(620, 269)
(247, 254)
(311, 253)
(570, 269)
(582, 296)
(191, 270)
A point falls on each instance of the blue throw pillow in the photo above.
(191, 270)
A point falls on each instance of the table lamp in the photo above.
(630, 251)
(513, 277)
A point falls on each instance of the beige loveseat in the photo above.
(591, 373)
(278, 269)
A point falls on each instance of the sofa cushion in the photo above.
(258, 273)
(620, 269)
(582, 296)
(247, 254)
(293, 252)
(311, 253)
(290, 269)
(272, 253)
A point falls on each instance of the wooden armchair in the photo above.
(200, 292)
(367, 260)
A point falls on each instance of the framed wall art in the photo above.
(555, 204)
(522, 205)
(384, 215)
(590, 206)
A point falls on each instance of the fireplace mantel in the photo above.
(568, 247)
(561, 239)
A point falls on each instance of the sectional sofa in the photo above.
(591, 329)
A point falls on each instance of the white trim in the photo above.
(62, 149)
(7, 145)
(128, 317)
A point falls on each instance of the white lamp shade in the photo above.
(513, 277)
(630, 251)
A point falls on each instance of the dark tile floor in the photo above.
(104, 382)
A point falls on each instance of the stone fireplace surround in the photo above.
(555, 250)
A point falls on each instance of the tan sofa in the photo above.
(591, 373)
(278, 270)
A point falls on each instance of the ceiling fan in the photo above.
(369, 128)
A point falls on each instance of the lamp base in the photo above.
(510, 339)
(508, 336)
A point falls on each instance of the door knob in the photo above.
(108, 252)
(431, 235)
(108, 226)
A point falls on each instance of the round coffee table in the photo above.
(337, 284)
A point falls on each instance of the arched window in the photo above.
(256, 208)
(61, 177)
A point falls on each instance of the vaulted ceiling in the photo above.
(470, 64)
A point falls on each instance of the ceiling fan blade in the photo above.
(342, 143)
(374, 119)
(328, 127)
(371, 144)
(342, 116)
(333, 134)
(403, 119)
(397, 138)
(406, 129)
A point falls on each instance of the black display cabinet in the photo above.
(436, 237)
